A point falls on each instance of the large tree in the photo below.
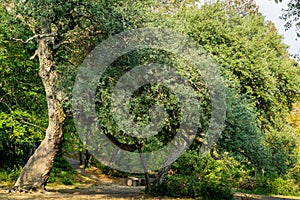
(55, 25)
(256, 67)
(255, 62)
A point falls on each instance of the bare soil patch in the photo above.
(100, 186)
(108, 191)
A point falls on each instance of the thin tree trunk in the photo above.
(36, 172)
(147, 179)
(160, 177)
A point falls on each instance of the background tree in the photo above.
(262, 84)
(256, 65)
(22, 100)
(252, 58)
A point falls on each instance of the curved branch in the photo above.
(38, 36)
(126, 147)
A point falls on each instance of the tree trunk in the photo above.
(147, 179)
(35, 173)
(160, 178)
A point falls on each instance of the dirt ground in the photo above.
(100, 186)
(103, 187)
(106, 191)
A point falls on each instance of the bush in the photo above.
(202, 178)
(10, 176)
(188, 186)
(247, 183)
(279, 186)
(62, 172)
(270, 184)
(294, 173)
(215, 191)
(17, 137)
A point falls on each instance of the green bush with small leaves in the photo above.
(202, 178)
(279, 186)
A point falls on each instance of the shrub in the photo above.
(62, 172)
(10, 176)
(202, 178)
(215, 191)
(270, 184)
(247, 183)
(188, 186)
(280, 186)
(294, 173)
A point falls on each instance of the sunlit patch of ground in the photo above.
(62, 192)
(107, 191)
(95, 185)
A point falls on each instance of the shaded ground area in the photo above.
(83, 192)
(107, 191)
(241, 196)
(103, 187)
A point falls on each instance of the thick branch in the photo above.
(70, 41)
(126, 147)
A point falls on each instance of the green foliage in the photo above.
(261, 81)
(251, 57)
(71, 142)
(18, 133)
(201, 178)
(271, 185)
(9, 176)
(20, 85)
(147, 96)
(62, 172)
(255, 63)
(260, 78)
(294, 173)
(22, 107)
(279, 186)
(281, 144)
(81, 25)
(241, 135)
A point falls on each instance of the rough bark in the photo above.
(160, 177)
(147, 179)
(35, 173)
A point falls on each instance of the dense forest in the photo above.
(218, 77)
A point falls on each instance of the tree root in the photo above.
(17, 189)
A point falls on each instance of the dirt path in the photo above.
(82, 192)
(108, 191)
(103, 188)
(241, 196)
